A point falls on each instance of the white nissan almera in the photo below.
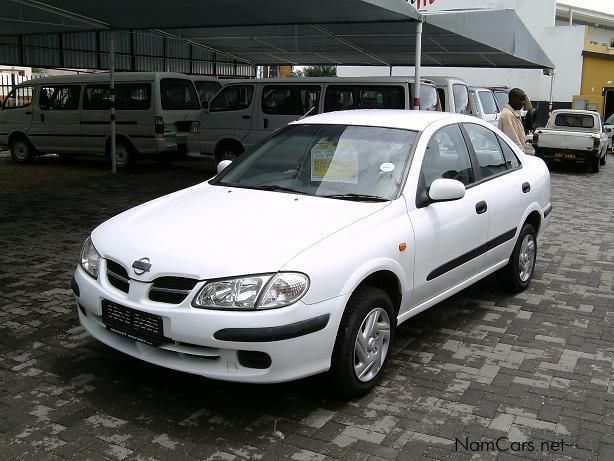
(307, 252)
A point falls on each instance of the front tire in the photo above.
(363, 342)
(21, 150)
(229, 152)
(517, 275)
(124, 155)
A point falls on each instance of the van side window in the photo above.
(487, 150)
(178, 94)
(59, 97)
(236, 97)
(290, 99)
(97, 97)
(19, 97)
(364, 97)
(133, 96)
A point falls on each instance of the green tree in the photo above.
(316, 71)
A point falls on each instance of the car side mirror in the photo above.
(444, 190)
(204, 104)
(223, 164)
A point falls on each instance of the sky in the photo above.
(606, 6)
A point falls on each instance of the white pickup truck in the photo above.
(575, 136)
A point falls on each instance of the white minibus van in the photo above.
(244, 112)
(70, 115)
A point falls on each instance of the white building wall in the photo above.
(563, 45)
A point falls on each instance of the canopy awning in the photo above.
(262, 32)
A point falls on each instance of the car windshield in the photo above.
(335, 161)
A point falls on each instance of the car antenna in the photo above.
(306, 113)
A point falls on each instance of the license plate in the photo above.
(567, 156)
(134, 324)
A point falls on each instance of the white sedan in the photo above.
(306, 253)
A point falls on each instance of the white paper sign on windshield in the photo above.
(332, 162)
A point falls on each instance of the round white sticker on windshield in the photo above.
(386, 167)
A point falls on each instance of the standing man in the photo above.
(511, 122)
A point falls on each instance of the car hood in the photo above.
(214, 231)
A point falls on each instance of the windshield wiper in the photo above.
(275, 188)
(357, 197)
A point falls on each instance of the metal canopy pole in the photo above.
(550, 106)
(418, 65)
(112, 91)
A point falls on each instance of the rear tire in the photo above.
(595, 165)
(21, 150)
(362, 347)
(517, 275)
(227, 152)
(124, 154)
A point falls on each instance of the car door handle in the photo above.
(246, 117)
(526, 187)
(481, 207)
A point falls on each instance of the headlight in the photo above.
(90, 258)
(267, 291)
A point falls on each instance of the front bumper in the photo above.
(210, 343)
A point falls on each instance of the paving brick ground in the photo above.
(533, 371)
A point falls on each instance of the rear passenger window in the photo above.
(97, 97)
(59, 97)
(236, 97)
(511, 161)
(447, 157)
(363, 97)
(290, 100)
(487, 150)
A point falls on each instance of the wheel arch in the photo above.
(387, 281)
(229, 142)
(120, 137)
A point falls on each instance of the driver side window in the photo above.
(447, 157)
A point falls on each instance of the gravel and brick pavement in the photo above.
(533, 371)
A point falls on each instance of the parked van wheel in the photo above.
(124, 156)
(604, 159)
(21, 150)
(363, 342)
(228, 152)
(595, 165)
(515, 277)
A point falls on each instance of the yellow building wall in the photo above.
(597, 74)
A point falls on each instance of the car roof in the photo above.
(414, 120)
(575, 112)
(103, 77)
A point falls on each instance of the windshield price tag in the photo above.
(334, 163)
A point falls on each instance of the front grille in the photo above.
(183, 126)
(171, 290)
(118, 276)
